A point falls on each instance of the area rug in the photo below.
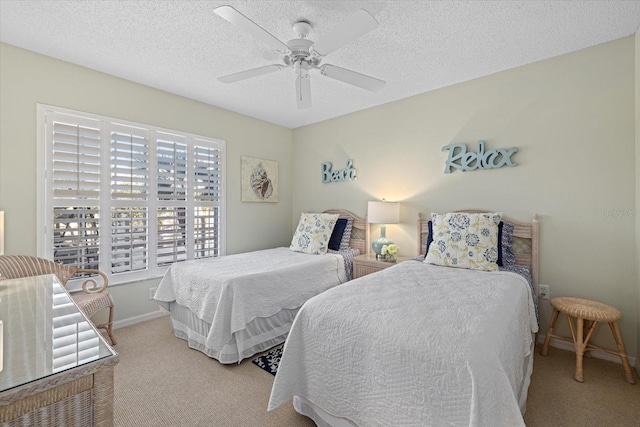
(270, 360)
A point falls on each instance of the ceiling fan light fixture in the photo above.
(302, 28)
(299, 48)
(301, 68)
(303, 55)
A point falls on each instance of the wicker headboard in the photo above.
(358, 232)
(525, 241)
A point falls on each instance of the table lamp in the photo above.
(382, 213)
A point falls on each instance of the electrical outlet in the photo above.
(152, 292)
(544, 291)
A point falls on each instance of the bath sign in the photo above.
(328, 175)
(463, 160)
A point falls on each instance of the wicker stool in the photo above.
(593, 312)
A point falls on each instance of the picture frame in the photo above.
(259, 180)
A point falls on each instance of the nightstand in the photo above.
(367, 264)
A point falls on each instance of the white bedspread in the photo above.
(415, 344)
(230, 291)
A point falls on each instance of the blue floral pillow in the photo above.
(313, 233)
(506, 257)
(465, 240)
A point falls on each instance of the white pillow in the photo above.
(465, 240)
(313, 233)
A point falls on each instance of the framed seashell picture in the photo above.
(259, 180)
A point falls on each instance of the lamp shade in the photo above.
(383, 212)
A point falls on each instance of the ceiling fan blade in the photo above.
(241, 21)
(353, 78)
(254, 72)
(303, 91)
(355, 26)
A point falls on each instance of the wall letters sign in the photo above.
(348, 174)
(462, 160)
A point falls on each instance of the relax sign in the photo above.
(463, 160)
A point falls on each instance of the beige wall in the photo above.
(572, 118)
(27, 78)
(637, 92)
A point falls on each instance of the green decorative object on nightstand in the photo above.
(377, 245)
(382, 213)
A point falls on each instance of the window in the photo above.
(127, 198)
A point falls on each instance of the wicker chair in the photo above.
(92, 298)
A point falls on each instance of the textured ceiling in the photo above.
(182, 47)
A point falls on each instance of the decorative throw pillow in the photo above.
(505, 243)
(346, 236)
(337, 233)
(502, 238)
(465, 240)
(313, 233)
(429, 237)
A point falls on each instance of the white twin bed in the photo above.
(235, 306)
(418, 344)
(414, 344)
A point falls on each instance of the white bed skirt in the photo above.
(259, 335)
(323, 418)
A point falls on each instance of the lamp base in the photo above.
(377, 245)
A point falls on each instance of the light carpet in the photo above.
(161, 382)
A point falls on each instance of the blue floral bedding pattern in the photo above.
(313, 233)
(346, 235)
(506, 252)
(465, 240)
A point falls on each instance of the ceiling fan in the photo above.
(304, 55)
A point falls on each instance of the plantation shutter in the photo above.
(76, 236)
(76, 158)
(75, 188)
(172, 190)
(127, 198)
(130, 176)
(207, 179)
(207, 183)
(172, 234)
(129, 163)
(172, 155)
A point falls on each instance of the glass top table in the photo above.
(43, 332)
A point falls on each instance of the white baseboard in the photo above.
(566, 345)
(139, 319)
